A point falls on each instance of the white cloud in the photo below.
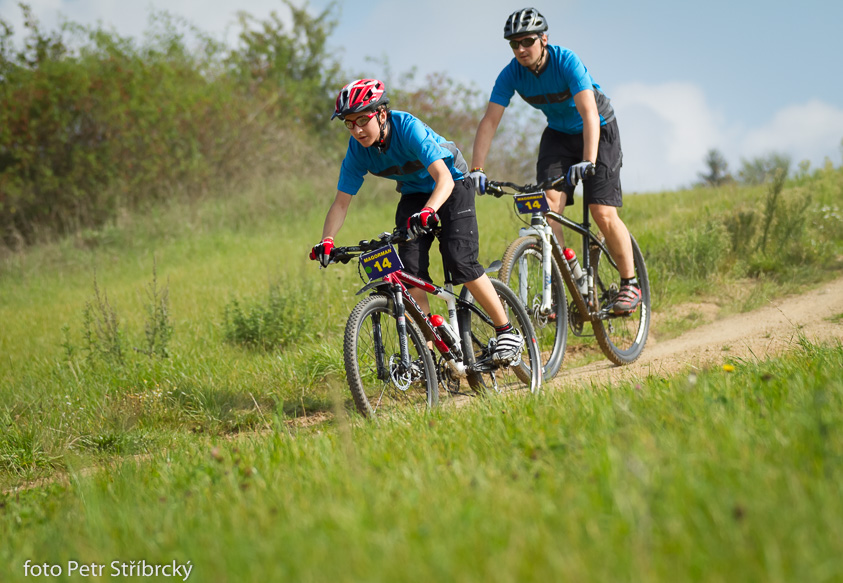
(667, 129)
(808, 131)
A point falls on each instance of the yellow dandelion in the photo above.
(728, 368)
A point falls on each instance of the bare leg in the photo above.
(556, 201)
(483, 291)
(617, 237)
(421, 299)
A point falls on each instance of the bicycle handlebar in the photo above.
(496, 188)
(346, 254)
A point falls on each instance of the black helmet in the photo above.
(524, 21)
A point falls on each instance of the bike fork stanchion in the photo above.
(401, 319)
(380, 353)
(547, 259)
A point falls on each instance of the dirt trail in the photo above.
(759, 334)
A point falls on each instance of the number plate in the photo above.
(380, 262)
(531, 203)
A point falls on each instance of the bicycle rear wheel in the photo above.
(522, 271)
(621, 338)
(372, 354)
(477, 334)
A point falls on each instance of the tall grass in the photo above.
(786, 233)
(100, 364)
(711, 477)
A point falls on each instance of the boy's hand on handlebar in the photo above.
(579, 171)
(422, 222)
(478, 177)
(322, 251)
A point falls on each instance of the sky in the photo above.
(747, 77)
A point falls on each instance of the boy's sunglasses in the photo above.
(360, 121)
(524, 42)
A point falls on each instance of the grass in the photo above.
(652, 480)
(83, 386)
(195, 318)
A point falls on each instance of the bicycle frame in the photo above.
(396, 286)
(540, 228)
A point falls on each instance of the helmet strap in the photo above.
(541, 60)
(380, 145)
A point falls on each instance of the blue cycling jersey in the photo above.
(411, 147)
(552, 90)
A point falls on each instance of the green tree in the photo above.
(718, 169)
(764, 169)
(291, 72)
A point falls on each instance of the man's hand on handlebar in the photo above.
(579, 171)
(478, 177)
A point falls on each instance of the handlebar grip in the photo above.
(494, 190)
(554, 183)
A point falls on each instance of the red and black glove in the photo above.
(422, 222)
(322, 251)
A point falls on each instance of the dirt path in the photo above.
(759, 334)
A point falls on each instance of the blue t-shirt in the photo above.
(411, 148)
(552, 90)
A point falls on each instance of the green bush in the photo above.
(281, 321)
(91, 122)
(696, 253)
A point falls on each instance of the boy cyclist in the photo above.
(581, 139)
(431, 176)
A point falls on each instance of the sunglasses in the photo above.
(360, 121)
(524, 42)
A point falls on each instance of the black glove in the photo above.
(422, 222)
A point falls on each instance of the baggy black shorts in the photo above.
(459, 242)
(559, 151)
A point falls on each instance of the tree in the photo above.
(718, 170)
(764, 169)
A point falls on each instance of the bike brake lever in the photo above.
(495, 191)
(555, 183)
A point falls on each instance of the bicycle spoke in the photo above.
(373, 361)
(523, 272)
(621, 337)
(479, 338)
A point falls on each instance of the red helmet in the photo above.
(360, 95)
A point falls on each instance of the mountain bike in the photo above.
(535, 266)
(390, 345)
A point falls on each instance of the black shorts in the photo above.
(559, 151)
(459, 242)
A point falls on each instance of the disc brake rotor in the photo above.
(404, 380)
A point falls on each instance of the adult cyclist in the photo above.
(581, 139)
(432, 178)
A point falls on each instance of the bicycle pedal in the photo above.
(485, 365)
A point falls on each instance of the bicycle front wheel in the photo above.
(378, 379)
(621, 338)
(522, 271)
(477, 334)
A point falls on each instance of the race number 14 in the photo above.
(381, 262)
